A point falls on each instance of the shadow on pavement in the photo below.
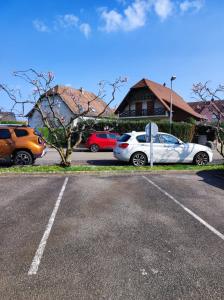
(214, 178)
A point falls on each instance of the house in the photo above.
(211, 110)
(148, 99)
(67, 103)
(7, 116)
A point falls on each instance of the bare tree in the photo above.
(43, 100)
(207, 94)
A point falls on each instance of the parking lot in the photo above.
(112, 237)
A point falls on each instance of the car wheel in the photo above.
(139, 159)
(201, 159)
(94, 148)
(22, 158)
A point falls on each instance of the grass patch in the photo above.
(81, 168)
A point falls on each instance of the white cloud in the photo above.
(163, 8)
(40, 26)
(67, 21)
(194, 5)
(134, 16)
(64, 22)
(85, 29)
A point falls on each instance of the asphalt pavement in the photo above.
(83, 156)
(112, 237)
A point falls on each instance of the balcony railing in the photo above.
(144, 113)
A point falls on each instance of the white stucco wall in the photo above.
(61, 109)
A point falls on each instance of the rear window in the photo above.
(21, 132)
(5, 134)
(102, 135)
(124, 138)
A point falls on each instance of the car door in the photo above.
(6, 143)
(145, 147)
(102, 140)
(112, 140)
(172, 149)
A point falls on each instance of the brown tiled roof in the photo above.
(199, 106)
(163, 94)
(78, 102)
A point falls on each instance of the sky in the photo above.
(84, 42)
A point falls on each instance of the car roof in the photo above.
(13, 126)
(135, 133)
(95, 132)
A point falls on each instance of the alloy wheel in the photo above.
(139, 159)
(201, 159)
(23, 158)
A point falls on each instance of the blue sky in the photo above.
(84, 42)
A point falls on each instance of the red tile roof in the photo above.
(199, 106)
(73, 98)
(77, 102)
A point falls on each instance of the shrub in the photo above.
(184, 131)
(13, 122)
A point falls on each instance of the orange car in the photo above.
(20, 144)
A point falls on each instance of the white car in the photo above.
(132, 147)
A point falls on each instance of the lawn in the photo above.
(81, 168)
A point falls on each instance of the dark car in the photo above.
(102, 140)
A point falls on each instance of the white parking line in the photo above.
(40, 250)
(211, 228)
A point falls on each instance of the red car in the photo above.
(102, 140)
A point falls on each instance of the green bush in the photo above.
(184, 131)
(48, 136)
(13, 122)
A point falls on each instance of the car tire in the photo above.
(139, 159)
(94, 148)
(23, 158)
(201, 159)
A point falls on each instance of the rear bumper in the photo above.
(121, 155)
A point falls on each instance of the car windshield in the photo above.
(124, 138)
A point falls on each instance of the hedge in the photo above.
(184, 131)
(13, 122)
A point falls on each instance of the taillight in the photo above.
(123, 145)
(40, 141)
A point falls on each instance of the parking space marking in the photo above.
(211, 228)
(40, 250)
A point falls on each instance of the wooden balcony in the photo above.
(143, 113)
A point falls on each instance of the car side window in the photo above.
(21, 132)
(102, 135)
(5, 134)
(156, 139)
(168, 139)
(141, 138)
(113, 136)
